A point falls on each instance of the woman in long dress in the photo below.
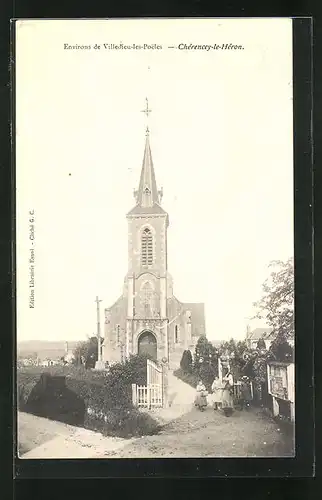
(216, 393)
(201, 396)
(227, 396)
(245, 392)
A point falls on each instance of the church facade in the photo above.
(148, 318)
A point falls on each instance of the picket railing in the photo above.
(154, 373)
(149, 396)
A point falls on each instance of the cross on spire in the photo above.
(146, 111)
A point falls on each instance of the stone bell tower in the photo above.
(148, 318)
(146, 280)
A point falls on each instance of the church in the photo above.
(148, 318)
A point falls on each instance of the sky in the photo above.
(221, 139)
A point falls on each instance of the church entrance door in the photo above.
(147, 344)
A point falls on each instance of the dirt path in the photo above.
(43, 438)
(211, 434)
(194, 434)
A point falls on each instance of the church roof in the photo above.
(197, 310)
(147, 196)
(155, 209)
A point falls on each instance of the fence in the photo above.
(150, 395)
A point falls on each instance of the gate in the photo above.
(153, 373)
(151, 395)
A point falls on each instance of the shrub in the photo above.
(121, 422)
(186, 361)
(133, 371)
(106, 397)
(50, 398)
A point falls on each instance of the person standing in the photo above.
(217, 393)
(227, 394)
(201, 396)
(245, 392)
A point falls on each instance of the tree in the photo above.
(88, 351)
(186, 361)
(277, 303)
(235, 351)
(206, 360)
(281, 350)
(261, 344)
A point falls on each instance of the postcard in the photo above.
(154, 223)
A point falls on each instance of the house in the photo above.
(252, 337)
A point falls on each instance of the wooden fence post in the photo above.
(134, 398)
(148, 397)
(165, 384)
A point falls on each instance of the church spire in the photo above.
(147, 195)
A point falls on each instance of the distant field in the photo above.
(44, 349)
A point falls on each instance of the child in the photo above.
(201, 396)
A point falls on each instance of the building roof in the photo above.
(154, 209)
(217, 343)
(260, 333)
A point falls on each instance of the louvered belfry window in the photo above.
(147, 248)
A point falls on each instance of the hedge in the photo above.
(96, 400)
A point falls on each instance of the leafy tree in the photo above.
(186, 361)
(205, 350)
(207, 374)
(236, 353)
(277, 303)
(201, 350)
(206, 360)
(277, 307)
(88, 351)
(281, 350)
(261, 344)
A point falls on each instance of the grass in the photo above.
(189, 378)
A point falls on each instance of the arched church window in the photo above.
(176, 334)
(147, 247)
